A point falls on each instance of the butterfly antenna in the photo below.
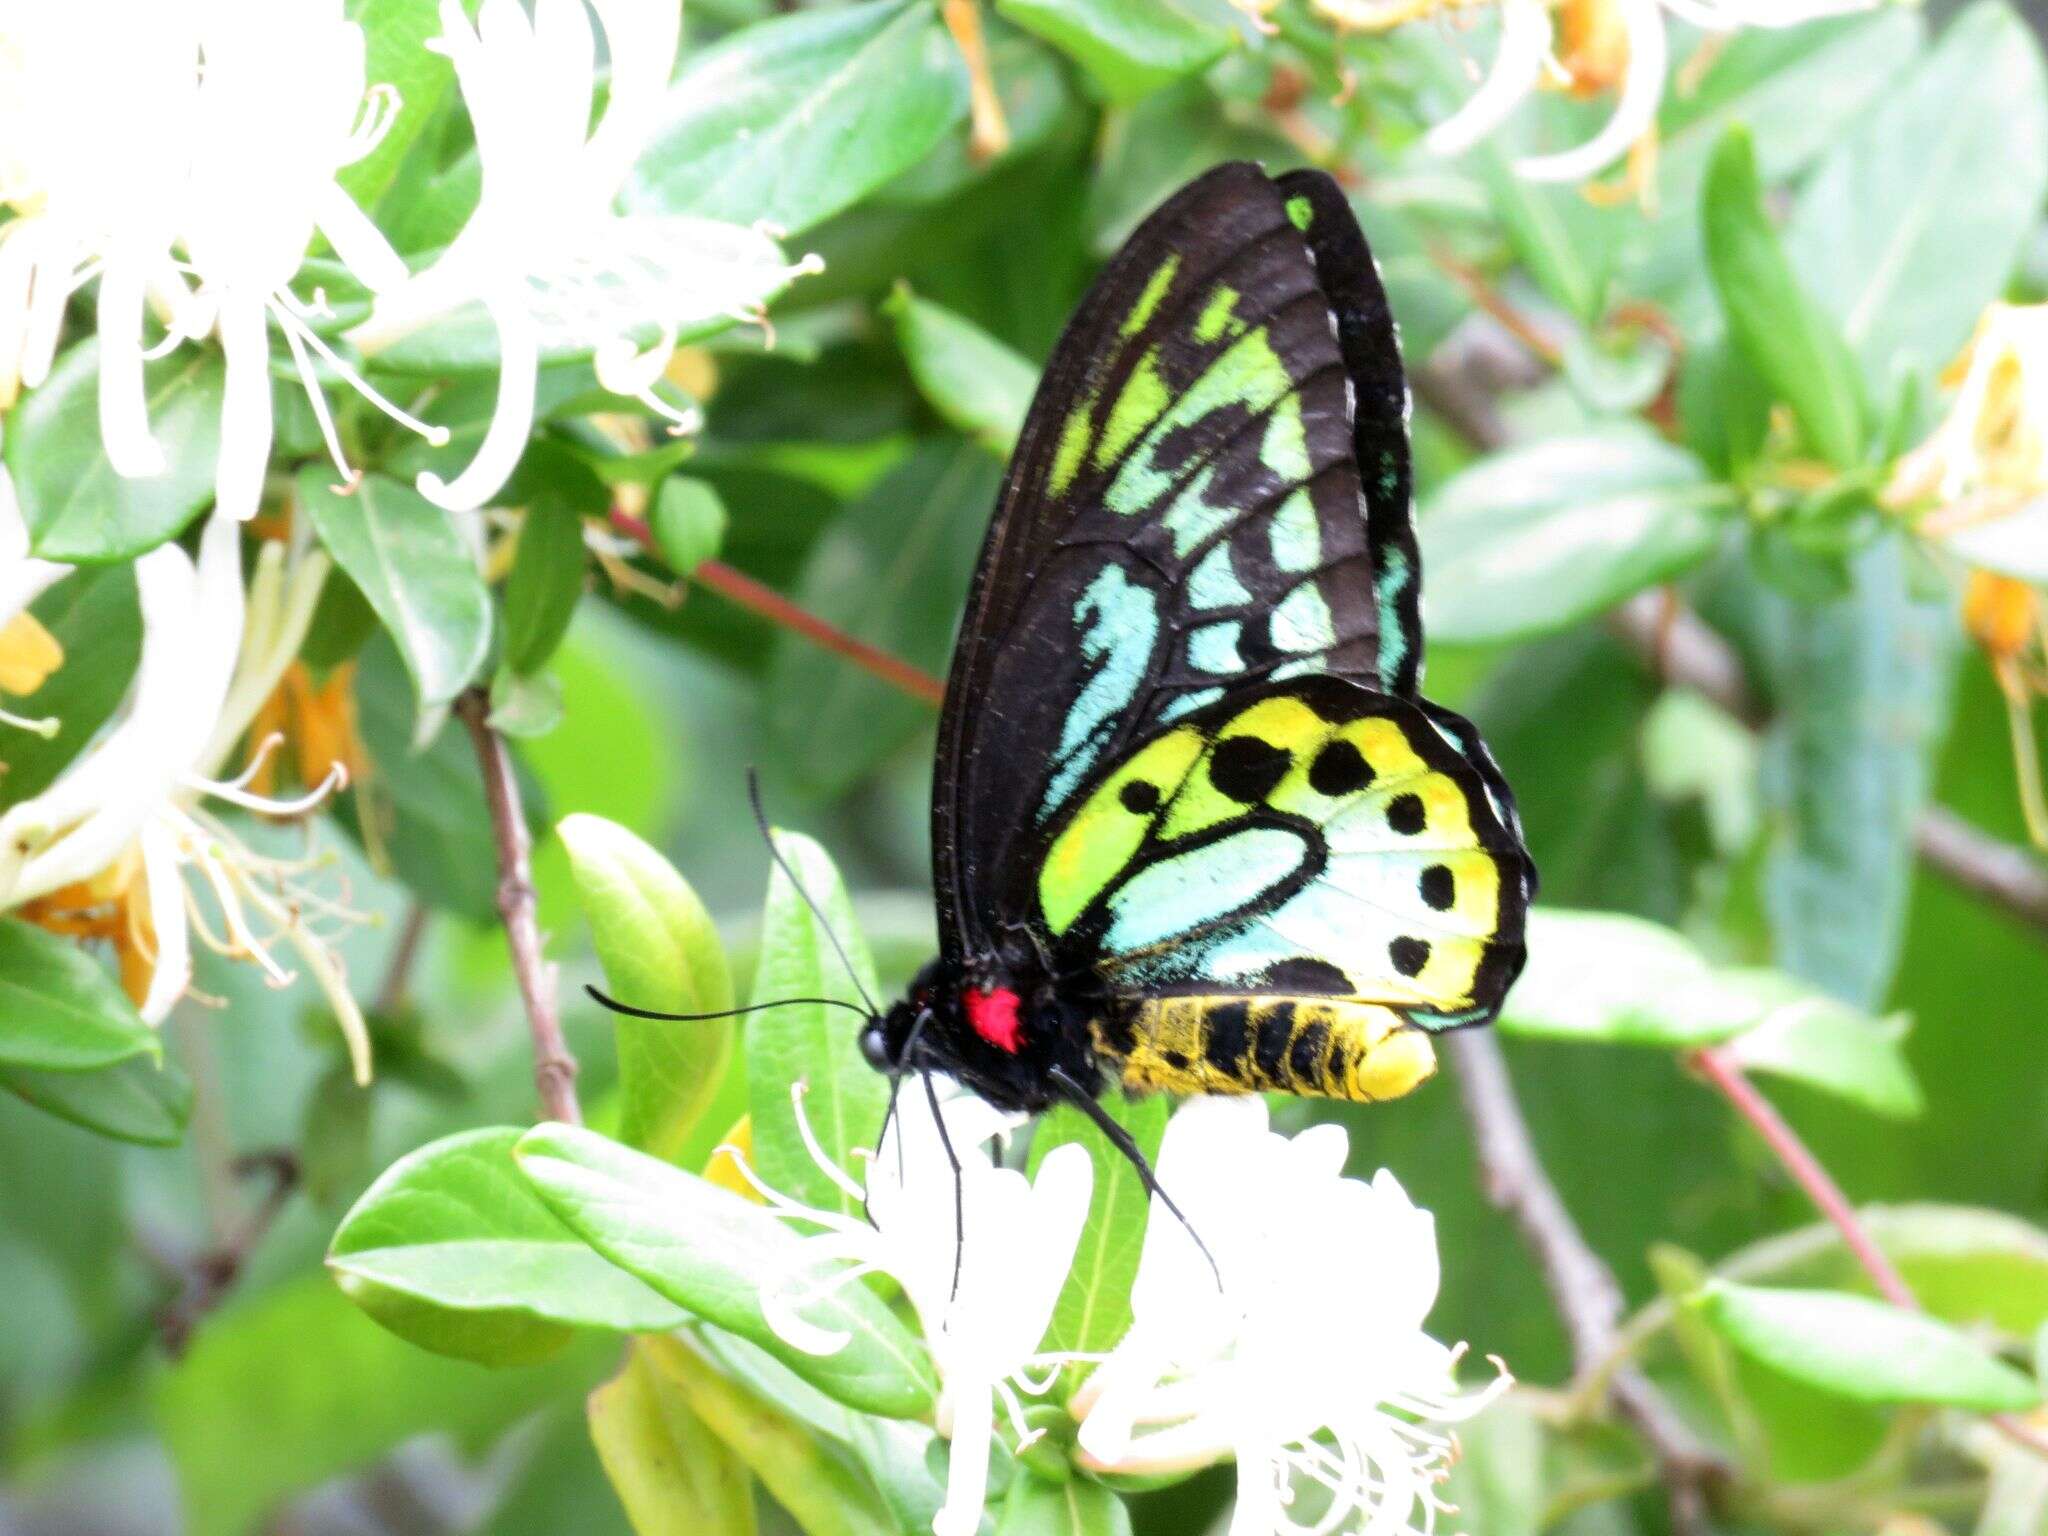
(1120, 1138)
(824, 924)
(931, 1094)
(606, 1001)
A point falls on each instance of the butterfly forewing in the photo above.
(1187, 515)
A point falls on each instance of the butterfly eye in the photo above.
(874, 1046)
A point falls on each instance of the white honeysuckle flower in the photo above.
(283, 106)
(98, 100)
(1345, 1413)
(131, 808)
(1524, 54)
(983, 1296)
(553, 263)
(248, 110)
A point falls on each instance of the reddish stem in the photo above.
(1721, 1069)
(738, 587)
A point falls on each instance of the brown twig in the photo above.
(1583, 1289)
(1725, 1074)
(758, 598)
(554, 1068)
(405, 952)
(1982, 865)
(205, 1280)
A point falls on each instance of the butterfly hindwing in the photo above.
(1210, 492)
(1304, 838)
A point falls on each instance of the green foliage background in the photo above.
(1834, 206)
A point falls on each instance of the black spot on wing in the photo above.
(1439, 887)
(1406, 815)
(1339, 769)
(1409, 955)
(1248, 769)
(1139, 798)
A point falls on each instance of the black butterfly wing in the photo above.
(1211, 489)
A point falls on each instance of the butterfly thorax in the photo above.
(1000, 1028)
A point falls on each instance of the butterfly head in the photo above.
(993, 1031)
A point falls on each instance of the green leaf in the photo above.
(1783, 334)
(335, 1159)
(889, 570)
(60, 1010)
(93, 615)
(975, 382)
(395, 56)
(1130, 48)
(1094, 1306)
(843, 1097)
(452, 1250)
(823, 1495)
(1834, 1048)
(1497, 1483)
(675, 1477)
(1723, 407)
(1599, 976)
(1567, 245)
(1536, 538)
(1864, 1350)
(895, 1456)
(136, 1100)
(659, 950)
(689, 523)
(1969, 1266)
(422, 811)
(1863, 690)
(1076, 1507)
(417, 571)
(525, 705)
(76, 506)
(790, 120)
(1916, 216)
(288, 1387)
(1797, 89)
(546, 581)
(713, 1253)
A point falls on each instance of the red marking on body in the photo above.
(993, 1016)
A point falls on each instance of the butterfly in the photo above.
(1194, 827)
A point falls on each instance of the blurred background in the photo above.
(1739, 689)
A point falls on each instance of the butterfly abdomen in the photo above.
(1332, 1048)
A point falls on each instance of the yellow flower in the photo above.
(2004, 617)
(1985, 460)
(316, 722)
(1977, 488)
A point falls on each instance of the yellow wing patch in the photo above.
(1320, 839)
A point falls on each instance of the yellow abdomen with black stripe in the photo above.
(1332, 1048)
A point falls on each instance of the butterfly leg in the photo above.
(1120, 1138)
(931, 1094)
